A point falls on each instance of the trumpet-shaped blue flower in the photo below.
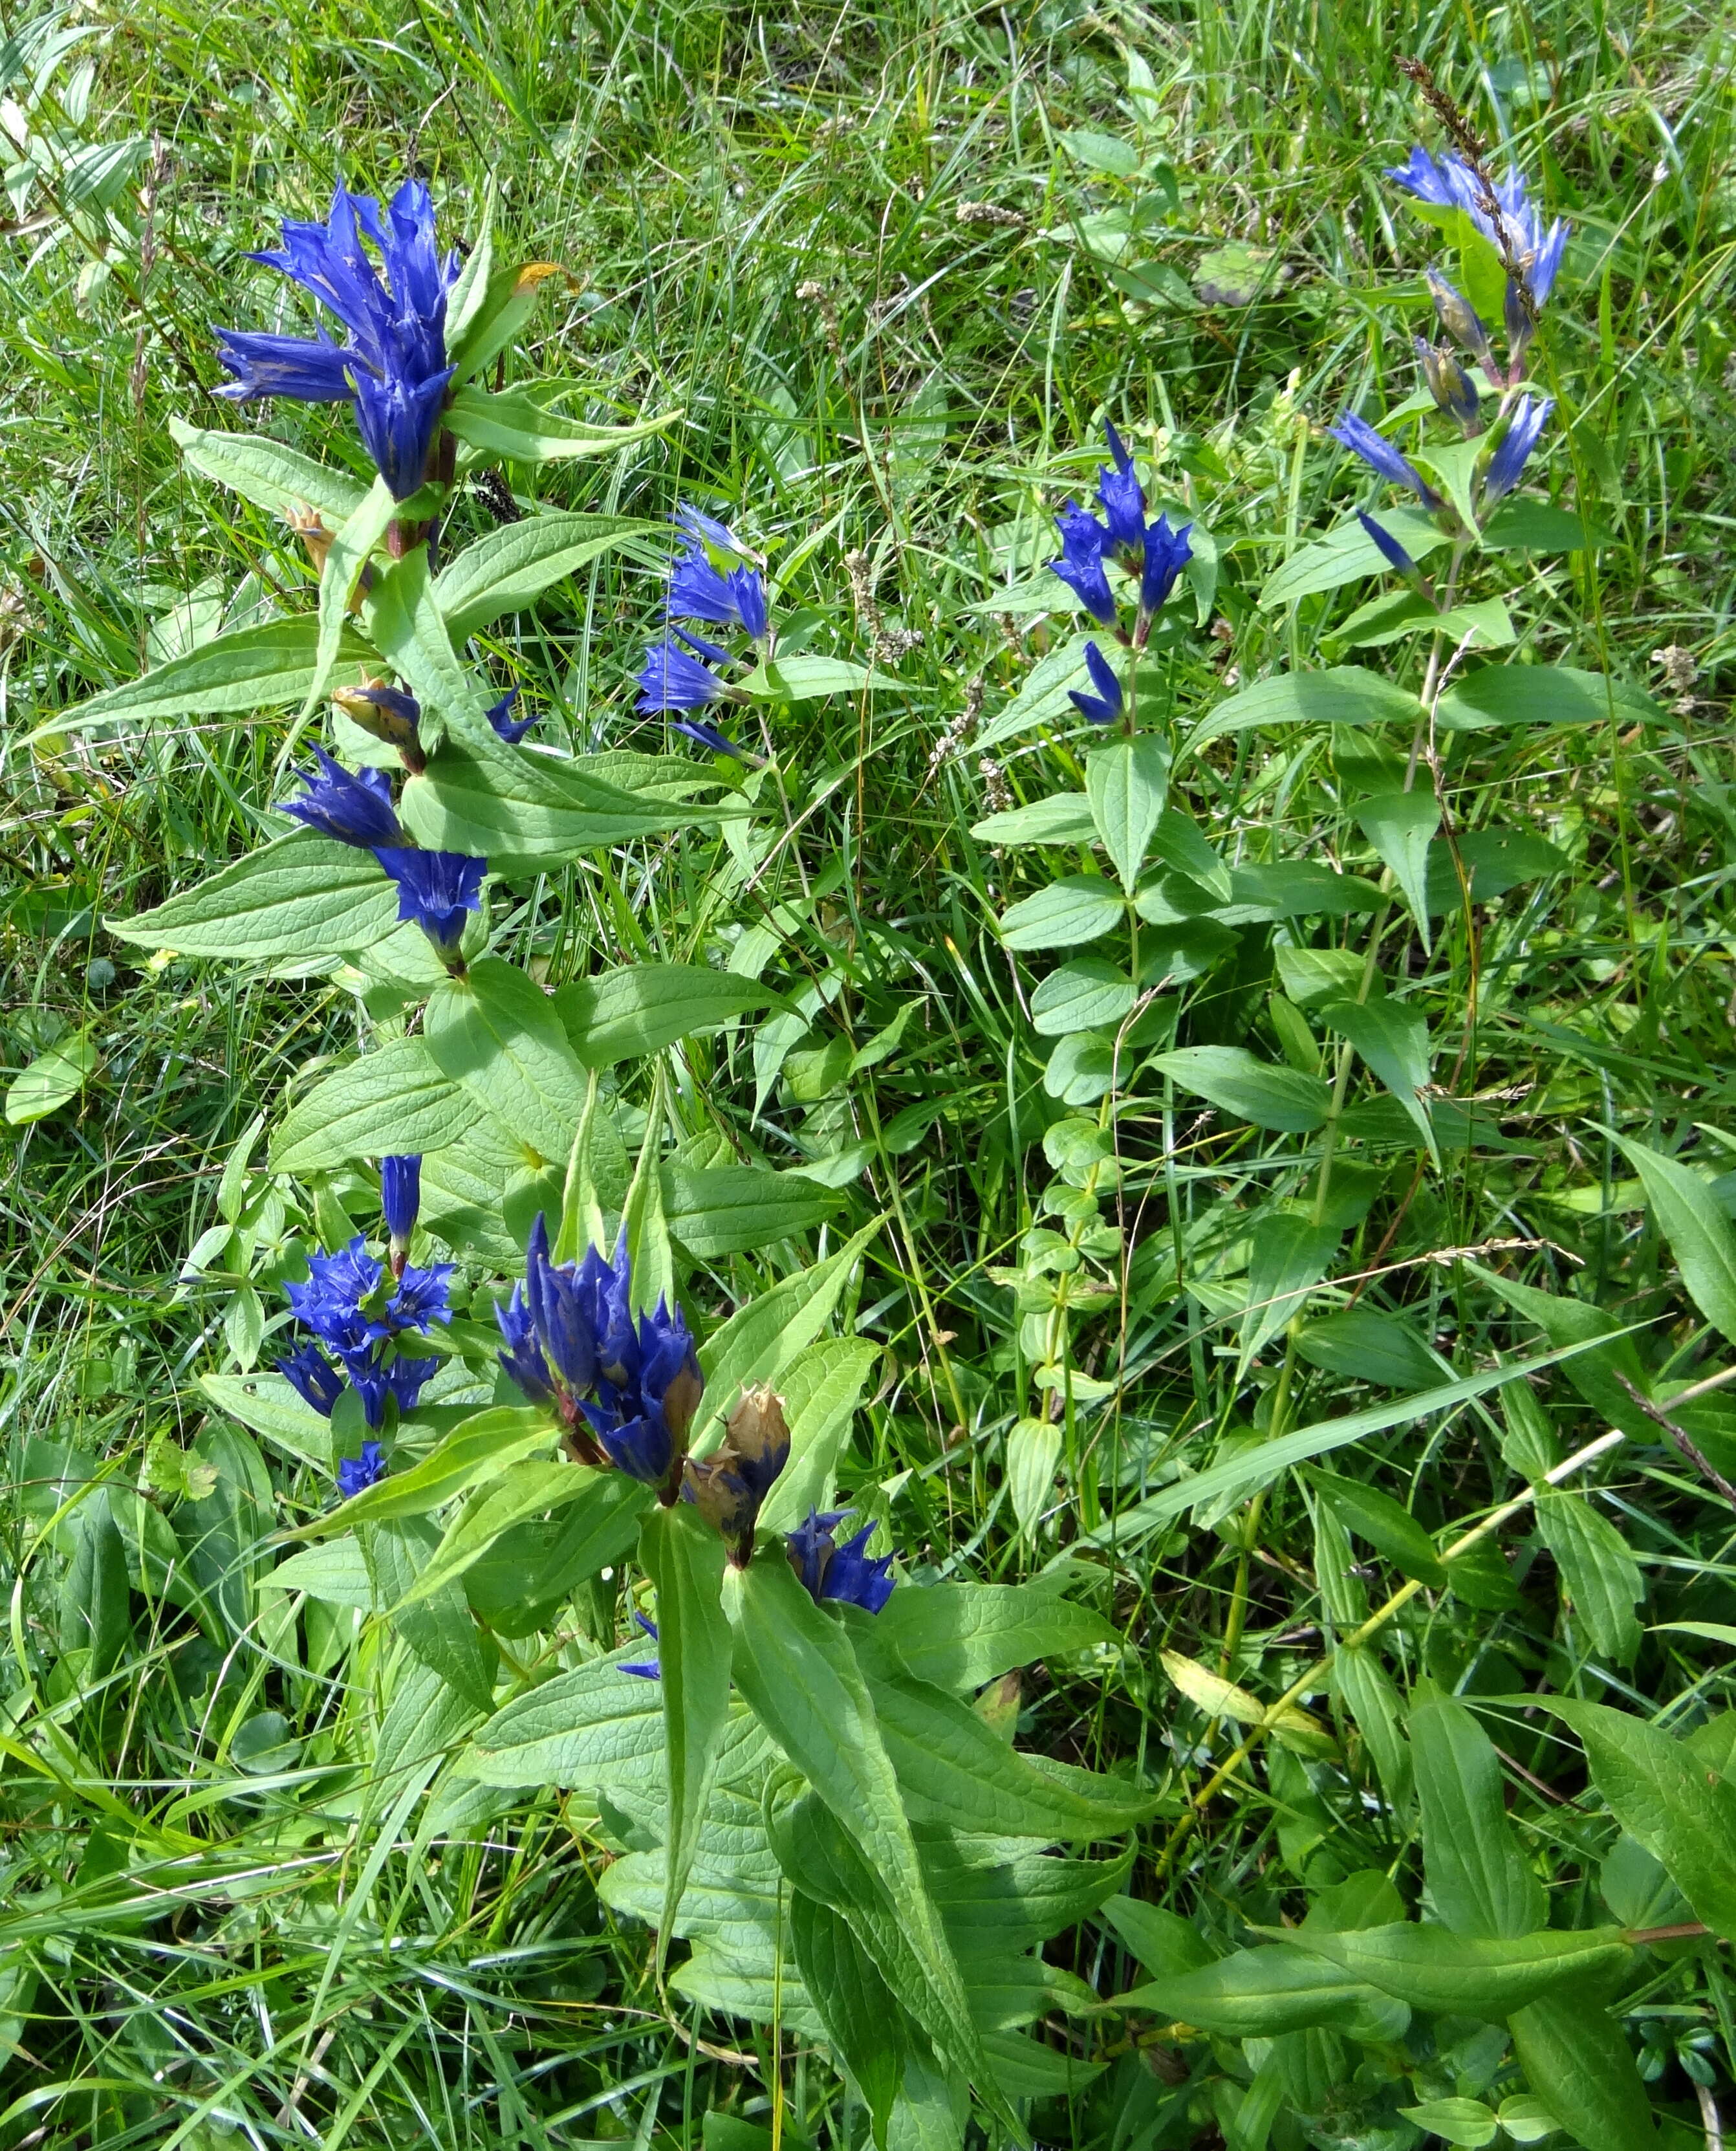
(1166, 552)
(522, 1359)
(1105, 705)
(671, 679)
(421, 1296)
(355, 810)
(437, 890)
(400, 1195)
(1380, 454)
(1122, 497)
(355, 1473)
(393, 369)
(313, 1376)
(698, 589)
(645, 1668)
(843, 1572)
(511, 728)
(1530, 415)
(1081, 565)
(709, 737)
(339, 1301)
(1389, 547)
(375, 1378)
(1503, 212)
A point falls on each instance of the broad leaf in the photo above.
(1126, 781)
(255, 668)
(1576, 2059)
(279, 479)
(346, 557)
(392, 1100)
(612, 1505)
(1077, 909)
(1700, 1231)
(512, 425)
(508, 567)
(1230, 1077)
(623, 1015)
(495, 1032)
(438, 1628)
(1393, 1037)
(303, 898)
(480, 1448)
(1478, 1879)
(1400, 825)
(1430, 1967)
(1291, 1255)
(760, 1339)
(1341, 695)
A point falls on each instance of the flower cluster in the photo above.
(1507, 218)
(393, 371)
(625, 1388)
(358, 1312)
(1152, 554)
(677, 673)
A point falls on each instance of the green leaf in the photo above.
(525, 812)
(864, 2024)
(1396, 614)
(1290, 1256)
(1033, 1453)
(1231, 1078)
(1341, 695)
(1254, 1994)
(480, 1448)
(513, 425)
(502, 301)
(1347, 553)
(1494, 860)
(1576, 2059)
(1430, 1967)
(1361, 1346)
(1078, 909)
(1542, 694)
(406, 622)
(58, 1073)
(1464, 2121)
(508, 567)
(94, 1606)
(1596, 1372)
(957, 1771)
(496, 1032)
(1043, 693)
(256, 668)
(794, 1665)
(1599, 1574)
(1166, 1945)
(1089, 993)
(279, 479)
(800, 678)
(303, 898)
(337, 1572)
(1520, 525)
(574, 1729)
(1387, 1525)
(640, 1008)
(1126, 781)
(1290, 888)
(222, 1531)
(683, 1556)
(722, 1210)
(391, 1101)
(1700, 1234)
(967, 1634)
(1064, 818)
(1393, 1038)
(760, 1339)
(613, 1504)
(1478, 1882)
(1178, 841)
(1662, 1795)
(438, 1628)
(348, 555)
(266, 1405)
(1399, 826)
(821, 1389)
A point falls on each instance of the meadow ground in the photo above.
(891, 265)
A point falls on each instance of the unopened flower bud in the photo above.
(1460, 318)
(729, 1487)
(1450, 385)
(388, 714)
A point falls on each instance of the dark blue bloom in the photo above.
(400, 1195)
(1122, 497)
(564, 1312)
(646, 1668)
(523, 1359)
(1504, 215)
(421, 1296)
(1451, 387)
(700, 590)
(393, 370)
(1359, 437)
(436, 890)
(843, 1572)
(1081, 565)
(1166, 552)
(1391, 551)
(313, 1376)
(1105, 706)
(354, 1473)
(333, 1302)
(355, 809)
(511, 728)
(375, 1378)
(671, 679)
(708, 737)
(388, 713)
(1530, 417)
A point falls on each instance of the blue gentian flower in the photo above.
(375, 1378)
(1081, 565)
(1359, 437)
(523, 1359)
(1530, 417)
(844, 1573)
(1515, 230)
(699, 590)
(354, 809)
(1105, 705)
(393, 370)
(354, 1473)
(312, 1377)
(421, 1296)
(671, 679)
(400, 1195)
(1166, 552)
(1391, 551)
(511, 728)
(646, 1668)
(1122, 497)
(436, 890)
(709, 737)
(564, 1311)
(1451, 387)
(333, 1304)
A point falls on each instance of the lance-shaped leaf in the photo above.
(760, 1339)
(508, 567)
(281, 480)
(1393, 1038)
(1701, 1238)
(1577, 2061)
(406, 621)
(613, 1504)
(438, 1628)
(1126, 781)
(627, 1013)
(1291, 1255)
(514, 425)
(1231, 1077)
(526, 811)
(345, 561)
(1400, 825)
(495, 1032)
(684, 1559)
(255, 668)
(392, 1100)
(478, 1448)
(1430, 1967)
(1255, 1994)
(303, 898)
(1478, 1879)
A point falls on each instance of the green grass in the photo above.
(761, 220)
